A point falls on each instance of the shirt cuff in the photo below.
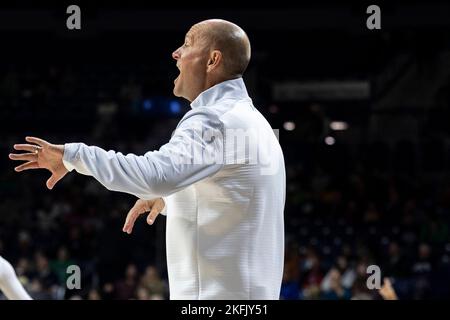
(164, 210)
(69, 156)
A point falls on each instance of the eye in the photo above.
(187, 42)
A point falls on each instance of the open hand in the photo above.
(41, 155)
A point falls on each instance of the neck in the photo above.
(211, 82)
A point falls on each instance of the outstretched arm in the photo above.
(193, 153)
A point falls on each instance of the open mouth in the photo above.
(174, 81)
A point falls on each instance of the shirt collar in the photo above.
(227, 90)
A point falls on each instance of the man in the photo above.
(224, 200)
(9, 284)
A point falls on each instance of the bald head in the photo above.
(231, 41)
(213, 51)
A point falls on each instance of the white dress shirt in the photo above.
(223, 180)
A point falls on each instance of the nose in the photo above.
(176, 54)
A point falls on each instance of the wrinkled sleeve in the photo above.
(194, 152)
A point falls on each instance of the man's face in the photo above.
(192, 58)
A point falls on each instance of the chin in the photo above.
(176, 93)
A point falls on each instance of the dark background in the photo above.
(375, 193)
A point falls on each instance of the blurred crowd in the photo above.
(342, 221)
(45, 233)
(347, 208)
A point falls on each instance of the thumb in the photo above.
(152, 215)
(51, 182)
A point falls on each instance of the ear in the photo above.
(215, 59)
